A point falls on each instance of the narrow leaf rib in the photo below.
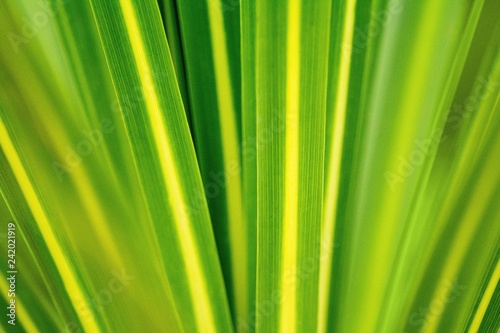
(291, 200)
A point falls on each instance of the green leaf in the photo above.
(250, 166)
(290, 58)
(165, 160)
(211, 48)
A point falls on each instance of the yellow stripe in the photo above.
(485, 300)
(334, 166)
(230, 152)
(23, 318)
(289, 250)
(196, 279)
(76, 295)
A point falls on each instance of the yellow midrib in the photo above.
(328, 228)
(290, 222)
(485, 300)
(200, 299)
(231, 155)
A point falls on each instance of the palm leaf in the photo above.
(251, 166)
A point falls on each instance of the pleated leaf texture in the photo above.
(250, 166)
